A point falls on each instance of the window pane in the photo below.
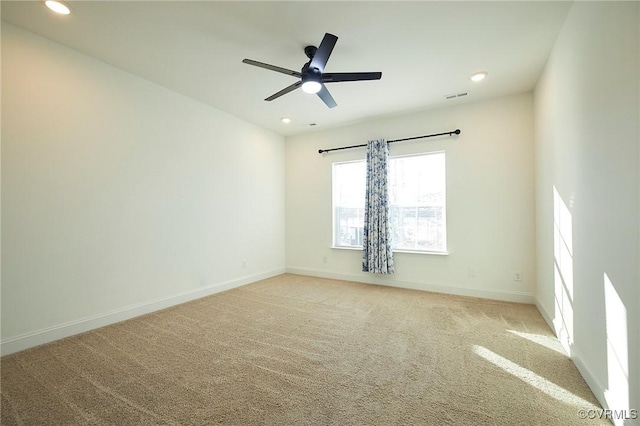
(348, 203)
(418, 198)
(349, 223)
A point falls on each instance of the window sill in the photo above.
(433, 253)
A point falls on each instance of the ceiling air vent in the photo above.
(456, 95)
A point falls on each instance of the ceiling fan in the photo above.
(312, 76)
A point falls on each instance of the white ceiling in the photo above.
(425, 50)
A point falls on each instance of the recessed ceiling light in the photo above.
(478, 76)
(58, 7)
(285, 120)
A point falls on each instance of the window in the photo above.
(349, 180)
(417, 195)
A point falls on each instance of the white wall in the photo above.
(490, 199)
(587, 147)
(120, 196)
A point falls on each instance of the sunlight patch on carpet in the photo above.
(532, 378)
(546, 341)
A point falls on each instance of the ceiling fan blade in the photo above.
(324, 51)
(350, 76)
(284, 91)
(326, 97)
(272, 67)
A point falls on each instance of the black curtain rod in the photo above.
(457, 132)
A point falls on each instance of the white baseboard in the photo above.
(60, 331)
(389, 280)
(545, 316)
(593, 383)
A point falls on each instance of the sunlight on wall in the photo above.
(532, 378)
(617, 393)
(563, 276)
(546, 341)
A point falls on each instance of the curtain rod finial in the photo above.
(457, 132)
(320, 151)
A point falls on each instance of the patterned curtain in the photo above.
(377, 257)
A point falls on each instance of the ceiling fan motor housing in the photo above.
(311, 74)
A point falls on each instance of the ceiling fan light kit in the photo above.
(312, 76)
(311, 81)
(311, 87)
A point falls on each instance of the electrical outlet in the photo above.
(244, 263)
(517, 276)
(324, 259)
(472, 272)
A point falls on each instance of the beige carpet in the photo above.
(294, 350)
